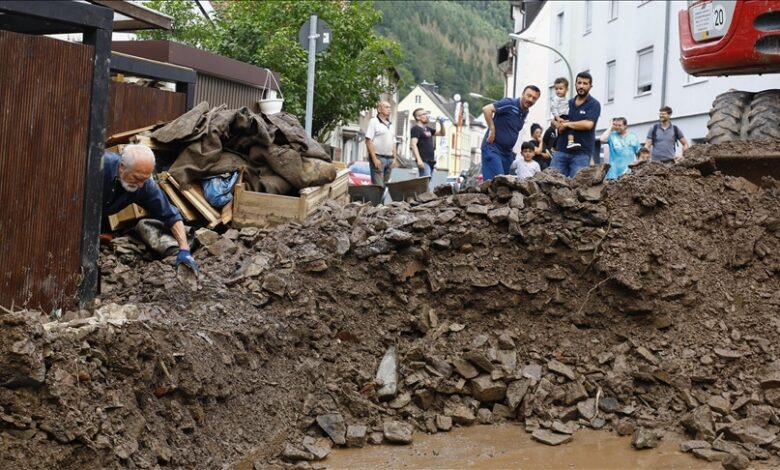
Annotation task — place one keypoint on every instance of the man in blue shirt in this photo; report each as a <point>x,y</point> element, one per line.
<point>127,179</point>
<point>505,119</point>
<point>584,111</point>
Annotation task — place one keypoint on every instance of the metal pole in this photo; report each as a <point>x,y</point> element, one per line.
<point>310,72</point>
<point>571,75</point>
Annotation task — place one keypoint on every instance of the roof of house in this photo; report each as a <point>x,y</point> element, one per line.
<point>445,104</point>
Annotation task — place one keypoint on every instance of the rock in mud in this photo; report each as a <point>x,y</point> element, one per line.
<point>387,375</point>
<point>687,446</point>
<point>376,438</point>
<point>587,408</point>
<point>484,416</point>
<point>735,462</point>
<point>320,448</point>
<point>356,435</point>
<point>700,422</point>
<point>516,392</point>
<point>645,438</point>
<point>747,431</point>
<point>465,369</point>
<point>397,432</point>
<point>294,454</point>
<point>334,427</point>
<point>551,438</point>
<point>710,455</point>
<point>479,360</point>
<point>561,368</point>
<point>484,388</point>
<point>461,414</point>
<point>443,423</point>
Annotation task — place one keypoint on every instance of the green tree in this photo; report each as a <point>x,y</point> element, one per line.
<point>188,24</point>
<point>348,73</point>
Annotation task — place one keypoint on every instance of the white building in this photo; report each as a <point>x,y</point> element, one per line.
<point>631,48</point>
<point>453,150</point>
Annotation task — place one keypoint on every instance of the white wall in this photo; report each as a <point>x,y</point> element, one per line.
<point>638,25</point>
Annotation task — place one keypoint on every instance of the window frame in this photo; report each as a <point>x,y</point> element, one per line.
<point>641,52</point>
<point>611,64</point>
<point>614,8</point>
<point>588,16</point>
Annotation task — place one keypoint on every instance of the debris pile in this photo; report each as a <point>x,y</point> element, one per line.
<point>219,148</point>
<point>637,306</point>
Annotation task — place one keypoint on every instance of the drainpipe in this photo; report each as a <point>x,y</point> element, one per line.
<point>665,65</point>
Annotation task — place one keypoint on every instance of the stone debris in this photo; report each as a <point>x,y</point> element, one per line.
<point>387,375</point>
<point>645,438</point>
<point>397,432</point>
<point>629,306</point>
<point>334,427</point>
<point>551,438</point>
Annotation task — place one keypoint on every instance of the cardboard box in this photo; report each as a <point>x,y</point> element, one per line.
<point>261,209</point>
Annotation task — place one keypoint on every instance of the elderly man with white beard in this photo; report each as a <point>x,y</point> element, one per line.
<point>127,179</point>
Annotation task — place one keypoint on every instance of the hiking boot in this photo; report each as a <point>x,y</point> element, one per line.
<point>573,145</point>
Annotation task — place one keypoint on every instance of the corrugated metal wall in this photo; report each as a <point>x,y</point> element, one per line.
<point>132,107</point>
<point>217,91</point>
<point>44,121</point>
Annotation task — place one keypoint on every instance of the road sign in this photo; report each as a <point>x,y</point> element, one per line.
<point>324,35</point>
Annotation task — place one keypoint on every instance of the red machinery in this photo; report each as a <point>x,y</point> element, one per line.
<point>730,37</point>
<point>719,37</point>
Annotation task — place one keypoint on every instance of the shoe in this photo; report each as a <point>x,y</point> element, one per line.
<point>573,145</point>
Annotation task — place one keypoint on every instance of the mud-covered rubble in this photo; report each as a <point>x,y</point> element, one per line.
<point>639,306</point>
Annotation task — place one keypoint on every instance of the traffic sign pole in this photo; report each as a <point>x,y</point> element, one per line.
<point>310,73</point>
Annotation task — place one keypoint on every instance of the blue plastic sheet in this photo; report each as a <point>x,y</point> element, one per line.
<point>218,190</point>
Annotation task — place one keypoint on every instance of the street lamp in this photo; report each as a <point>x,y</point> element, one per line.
<point>477,95</point>
<point>519,38</point>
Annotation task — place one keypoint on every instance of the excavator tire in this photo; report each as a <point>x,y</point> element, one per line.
<point>726,117</point>
<point>764,116</point>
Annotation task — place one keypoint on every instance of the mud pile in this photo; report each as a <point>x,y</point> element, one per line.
<point>637,306</point>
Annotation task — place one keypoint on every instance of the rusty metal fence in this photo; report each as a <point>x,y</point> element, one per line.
<point>44,127</point>
<point>132,106</point>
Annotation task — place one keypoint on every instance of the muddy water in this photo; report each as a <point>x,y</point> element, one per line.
<point>507,446</point>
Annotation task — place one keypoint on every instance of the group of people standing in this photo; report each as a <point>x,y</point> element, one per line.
<point>570,141</point>
<point>567,145</point>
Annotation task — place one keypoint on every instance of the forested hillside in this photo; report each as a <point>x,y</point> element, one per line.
<point>451,43</point>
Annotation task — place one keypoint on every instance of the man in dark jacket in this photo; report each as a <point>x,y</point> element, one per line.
<point>127,179</point>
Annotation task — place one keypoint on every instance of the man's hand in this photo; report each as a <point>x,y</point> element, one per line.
<point>377,164</point>
<point>491,135</point>
<point>420,164</point>
<point>560,125</point>
<point>185,257</point>
<point>442,119</point>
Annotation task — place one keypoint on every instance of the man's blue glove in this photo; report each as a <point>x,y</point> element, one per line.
<point>442,119</point>
<point>185,257</point>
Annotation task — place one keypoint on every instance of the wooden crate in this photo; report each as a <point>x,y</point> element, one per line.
<point>262,209</point>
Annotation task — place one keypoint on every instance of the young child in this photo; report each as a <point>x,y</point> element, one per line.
<point>559,107</point>
<point>643,154</point>
<point>524,166</point>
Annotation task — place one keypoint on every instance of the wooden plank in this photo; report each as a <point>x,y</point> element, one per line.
<point>128,214</point>
<point>195,197</point>
<point>187,211</point>
<point>227,213</point>
<point>124,137</point>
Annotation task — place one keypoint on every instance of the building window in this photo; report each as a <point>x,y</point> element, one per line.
<point>613,10</point>
<point>417,99</point>
<point>559,29</point>
<point>610,81</point>
<point>644,71</point>
<point>588,16</point>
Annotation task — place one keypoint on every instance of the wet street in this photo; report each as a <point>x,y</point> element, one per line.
<point>507,446</point>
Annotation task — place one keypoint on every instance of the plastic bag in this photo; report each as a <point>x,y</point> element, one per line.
<point>218,190</point>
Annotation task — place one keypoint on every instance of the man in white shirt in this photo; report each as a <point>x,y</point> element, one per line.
<point>524,165</point>
<point>380,142</point>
